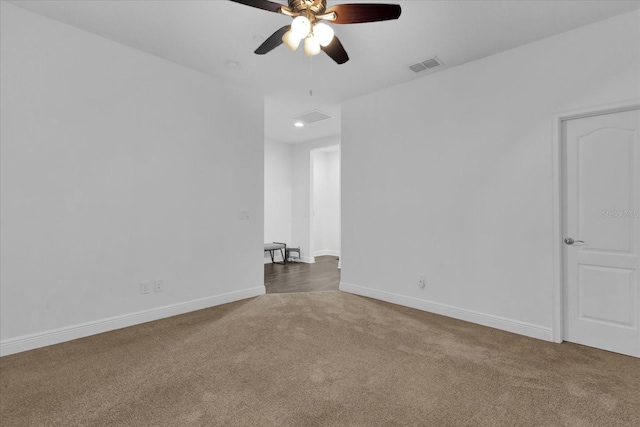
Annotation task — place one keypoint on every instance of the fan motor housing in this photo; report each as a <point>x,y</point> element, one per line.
<point>316,7</point>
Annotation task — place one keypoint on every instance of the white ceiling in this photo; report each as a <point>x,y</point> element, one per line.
<point>209,35</point>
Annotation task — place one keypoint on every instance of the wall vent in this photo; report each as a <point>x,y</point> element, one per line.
<point>312,117</point>
<point>427,64</point>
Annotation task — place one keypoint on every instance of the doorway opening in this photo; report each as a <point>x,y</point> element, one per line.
<point>302,209</point>
<point>325,202</point>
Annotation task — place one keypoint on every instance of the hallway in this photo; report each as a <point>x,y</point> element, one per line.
<point>324,275</point>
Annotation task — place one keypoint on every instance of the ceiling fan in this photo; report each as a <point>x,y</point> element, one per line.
<point>317,35</point>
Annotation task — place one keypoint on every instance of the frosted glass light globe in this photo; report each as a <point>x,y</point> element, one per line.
<point>291,40</point>
<point>300,27</point>
<point>323,33</point>
<point>311,46</point>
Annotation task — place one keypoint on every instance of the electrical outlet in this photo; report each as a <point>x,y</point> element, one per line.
<point>422,281</point>
<point>145,287</point>
<point>158,286</point>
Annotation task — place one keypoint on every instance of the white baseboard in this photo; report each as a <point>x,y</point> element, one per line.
<point>56,336</point>
<point>326,252</point>
<point>509,325</point>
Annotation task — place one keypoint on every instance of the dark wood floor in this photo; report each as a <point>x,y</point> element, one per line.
<point>324,275</point>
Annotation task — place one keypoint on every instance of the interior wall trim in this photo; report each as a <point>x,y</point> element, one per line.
<point>60,335</point>
<point>509,325</point>
<point>326,252</point>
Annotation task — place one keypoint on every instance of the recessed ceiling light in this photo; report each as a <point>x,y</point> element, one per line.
<point>298,124</point>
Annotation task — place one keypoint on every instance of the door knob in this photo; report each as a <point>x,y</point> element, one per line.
<point>571,241</point>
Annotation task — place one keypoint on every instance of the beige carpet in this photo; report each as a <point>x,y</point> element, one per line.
<point>317,359</point>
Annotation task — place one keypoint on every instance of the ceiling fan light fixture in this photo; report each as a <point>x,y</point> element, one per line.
<point>318,37</point>
<point>300,27</point>
<point>323,33</point>
<point>291,40</point>
<point>311,46</point>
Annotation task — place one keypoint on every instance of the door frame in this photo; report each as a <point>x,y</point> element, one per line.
<point>558,170</point>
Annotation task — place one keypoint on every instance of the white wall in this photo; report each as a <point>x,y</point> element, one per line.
<point>301,194</point>
<point>325,218</point>
<point>453,172</point>
<point>333,211</point>
<point>278,173</point>
<point>119,167</point>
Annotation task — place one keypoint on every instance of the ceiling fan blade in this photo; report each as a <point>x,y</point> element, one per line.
<point>357,13</point>
<point>262,4</point>
<point>273,41</point>
<point>336,51</point>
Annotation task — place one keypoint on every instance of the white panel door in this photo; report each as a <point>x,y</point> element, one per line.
<point>601,209</point>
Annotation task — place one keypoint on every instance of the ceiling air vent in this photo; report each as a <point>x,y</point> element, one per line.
<point>416,68</point>
<point>426,65</point>
<point>312,117</point>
